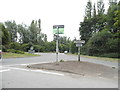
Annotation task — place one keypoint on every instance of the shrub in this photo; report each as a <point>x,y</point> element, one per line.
<point>38,48</point>
<point>110,55</point>
<point>25,47</point>
<point>113,45</point>
<point>15,51</point>
<point>61,60</point>
<point>15,45</point>
<point>11,50</point>
<point>19,52</point>
<point>4,49</point>
<point>97,44</point>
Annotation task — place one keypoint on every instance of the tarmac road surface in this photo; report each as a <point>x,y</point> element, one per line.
<point>15,74</point>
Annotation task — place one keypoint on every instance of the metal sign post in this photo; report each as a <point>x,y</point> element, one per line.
<point>78,53</point>
<point>57,49</point>
<point>58,29</point>
<point>78,44</point>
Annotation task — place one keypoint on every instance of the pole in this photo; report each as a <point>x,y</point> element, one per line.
<point>78,53</point>
<point>57,44</point>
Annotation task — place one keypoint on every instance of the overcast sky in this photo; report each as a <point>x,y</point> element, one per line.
<point>51,12</point>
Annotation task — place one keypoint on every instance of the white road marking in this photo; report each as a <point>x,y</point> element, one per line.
<point>41,71</point>
<point>5,70</point>
<point>25,64</point>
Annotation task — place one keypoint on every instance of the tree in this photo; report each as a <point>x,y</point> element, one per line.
<point>94,11</point>
<point>85,29</point>
<point>12,29</point>
<point>97,44</point>
<point>111,14</point>
<point>88,10</point>
<point>5,37</point>
<point>117,19</point>
<point>100,7</point>
<point>24,33</point>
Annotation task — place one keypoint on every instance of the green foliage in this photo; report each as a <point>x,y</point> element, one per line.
<point>61,60</point>
<point>73,48</point>
<point>102,31</point>
<point>25,47</point>
<point>38,48</point>
<point>4,49</point>
<point>111,55</point>
<point>15,45</point>
<point>97,43</point>
<point>4,35</point>
<point>12,28</point>
<point>15,51</point>
<point>88,10</point>
<point>50,46</point>
<point>63,47</point>
<point>11,50</point>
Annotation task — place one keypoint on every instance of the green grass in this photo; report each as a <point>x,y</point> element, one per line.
<point>102,58</point>
<point>99,58</point>
<point>14,55</point>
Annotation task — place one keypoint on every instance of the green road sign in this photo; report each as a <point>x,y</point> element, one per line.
<point>58,29</point>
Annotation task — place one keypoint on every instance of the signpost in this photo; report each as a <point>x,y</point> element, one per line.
<point>58,29</point>
<point>78,44</point>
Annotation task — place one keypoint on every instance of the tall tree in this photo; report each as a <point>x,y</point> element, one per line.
<point>5,37</point>
<point>88,10</point>
<point>111,14</point>
<point>12,28</point>
<point>33,32</point>
<point>24,33</point>
<point>100,7</point>
<point>94,11</point>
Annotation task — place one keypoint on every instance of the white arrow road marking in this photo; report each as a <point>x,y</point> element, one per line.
<point>41,71</point>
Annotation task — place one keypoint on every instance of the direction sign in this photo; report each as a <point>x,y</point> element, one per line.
<point>78,44</point>
<point>58,29</point>
<point>79,41</point>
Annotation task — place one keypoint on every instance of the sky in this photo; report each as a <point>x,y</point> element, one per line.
<point>51,12</point>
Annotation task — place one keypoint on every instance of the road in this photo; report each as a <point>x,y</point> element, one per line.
<point>15,74</point>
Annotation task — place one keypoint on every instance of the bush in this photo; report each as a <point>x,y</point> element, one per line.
<point>97,44</point>
<point>110,55</point>
<point>19,52</point>
<point>61,60</point>
<point>11,50</point>
<point>15,45</point>
<point>25,47</point>
<point>38,48</point>
<point>113,45</point>
<point>4,49</point>
<point>15,51</point>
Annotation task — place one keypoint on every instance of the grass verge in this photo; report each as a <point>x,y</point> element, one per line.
<point>99,58</point>
<point>14,55</point>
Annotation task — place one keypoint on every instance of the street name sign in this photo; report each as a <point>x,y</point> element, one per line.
<point>79,41</point>
<point>58,29</point>
<point>78,44</point>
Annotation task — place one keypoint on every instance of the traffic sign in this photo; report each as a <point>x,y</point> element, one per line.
<point>79,41</point>
<point>78,44</point>
<point>58,29</point>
